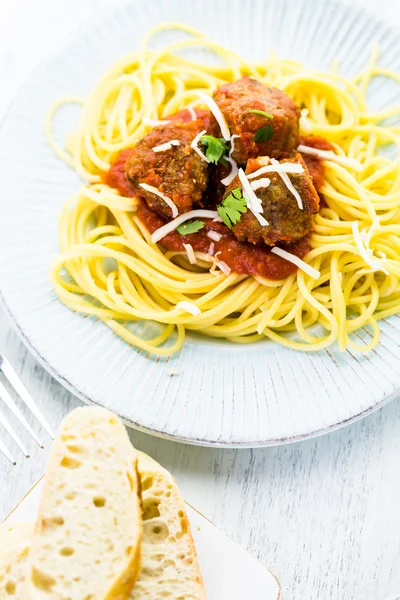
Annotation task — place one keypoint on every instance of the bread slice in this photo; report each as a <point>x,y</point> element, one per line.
<point>169,561</point>
<point>86,545</point>
<point>15,540</point>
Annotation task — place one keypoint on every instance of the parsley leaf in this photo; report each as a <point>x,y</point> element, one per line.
<point>231,209</point>
<point>263,134</point>
<point>216,147</point>
<point>190,227</point>
<point>261,112</point>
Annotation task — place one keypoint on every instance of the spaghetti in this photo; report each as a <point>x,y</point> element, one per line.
<point>110,268</point>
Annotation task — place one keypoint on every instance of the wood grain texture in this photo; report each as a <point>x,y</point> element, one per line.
<point>322,514</point>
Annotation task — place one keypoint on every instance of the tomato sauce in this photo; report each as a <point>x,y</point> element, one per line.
<point>314,164</point>
<point>241,257</point>
<point>115,176</point>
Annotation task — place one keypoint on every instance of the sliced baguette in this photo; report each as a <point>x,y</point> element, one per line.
<point>86,545</point>
<point>15,540</point>
<point>169,561</point>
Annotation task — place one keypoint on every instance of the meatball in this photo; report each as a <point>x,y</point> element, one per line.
<point>287,222</point>
<point>238,98</point>
<point>178,173</point>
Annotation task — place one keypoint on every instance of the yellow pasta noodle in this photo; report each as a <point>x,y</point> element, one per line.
<point>109,268</point>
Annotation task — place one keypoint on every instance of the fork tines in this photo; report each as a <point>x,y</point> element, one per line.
<point>20,389</point>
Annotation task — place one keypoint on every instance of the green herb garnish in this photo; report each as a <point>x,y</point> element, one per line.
<point>261,112</point>
<point>216,148</point>
<point>231,209</point>
<point>190,227</point>
<point>263,134</point>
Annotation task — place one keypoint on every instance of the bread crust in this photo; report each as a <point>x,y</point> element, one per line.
<point>90,516</point>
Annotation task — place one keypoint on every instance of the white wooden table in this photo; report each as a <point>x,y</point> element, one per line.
<point>323,514</point>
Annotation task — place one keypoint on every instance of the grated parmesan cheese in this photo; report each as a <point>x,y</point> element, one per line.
<point>191,108</point>
<point>166,146</point>
<point>234,170</point>
<point>214,235</point>
<point>345,161</point>
<point>189,307</point>
<point>191,111</point>
<point>168,201</point>
<point>154,122</point>
<point>260,183</point>
<point>305,121</point>
<point>252,201</point>
<point>234,136</point>
<point>286,180</point>
<point>220,264</point>
<point>277,168</point>
<point>158,234</point>
<point>216,111</point>
<point>195,146</point>
<point>362,240</point>
<point>297,261</point>
<point>190,253</point>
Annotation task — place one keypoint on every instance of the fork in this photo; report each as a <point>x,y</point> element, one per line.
<point>7,370</point>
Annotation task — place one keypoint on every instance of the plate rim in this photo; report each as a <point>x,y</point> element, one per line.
<point>46,59</point>
<point>181,439</point>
